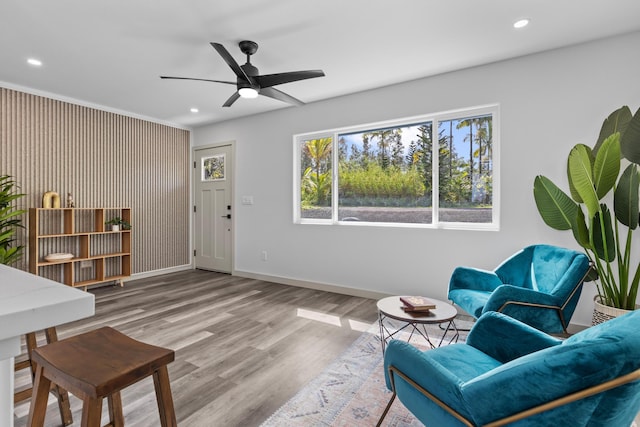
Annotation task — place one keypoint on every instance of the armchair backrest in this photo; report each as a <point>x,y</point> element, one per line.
<point>592,357</point>
<point>544,268</point>
<point>613,347</point>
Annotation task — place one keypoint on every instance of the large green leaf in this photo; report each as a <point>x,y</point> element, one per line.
<point>602,232</point>
<point>630,141</point>
<point>626,202</point>
<point>616,122</point>
<point>607,165</point>
<point>581,174</point>
<point>572,188</point>
<point>581,231</point>
<point>556,208</point>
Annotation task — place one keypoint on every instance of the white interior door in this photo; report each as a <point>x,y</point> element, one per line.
<point>213,216</point>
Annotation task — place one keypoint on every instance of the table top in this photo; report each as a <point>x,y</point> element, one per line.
<point>31,303</point>
<point>392,307</point>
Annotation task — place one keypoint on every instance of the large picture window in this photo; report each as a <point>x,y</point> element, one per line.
<point>436,170</point>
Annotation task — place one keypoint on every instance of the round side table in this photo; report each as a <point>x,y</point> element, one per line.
<point>391,308</point>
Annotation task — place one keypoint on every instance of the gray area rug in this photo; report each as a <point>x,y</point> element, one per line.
<point>351,391</point>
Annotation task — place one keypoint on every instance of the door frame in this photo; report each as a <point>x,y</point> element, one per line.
<point>234,205</point>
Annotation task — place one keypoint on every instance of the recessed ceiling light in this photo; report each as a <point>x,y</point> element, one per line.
<point>194,110</point>
<point>35,62</point>
<point>521,23</point>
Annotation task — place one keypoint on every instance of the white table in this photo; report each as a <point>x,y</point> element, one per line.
<point>30,303</point>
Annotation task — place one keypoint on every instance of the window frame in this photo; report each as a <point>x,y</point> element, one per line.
<point>434,119</point>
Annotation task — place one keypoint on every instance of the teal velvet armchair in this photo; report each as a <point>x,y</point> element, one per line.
<point>508,373</point>
<point>540,286</point>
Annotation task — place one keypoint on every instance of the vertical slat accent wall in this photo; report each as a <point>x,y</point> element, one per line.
<point>105,160</point>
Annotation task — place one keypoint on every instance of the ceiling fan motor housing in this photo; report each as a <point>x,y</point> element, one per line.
<point>250,71</point>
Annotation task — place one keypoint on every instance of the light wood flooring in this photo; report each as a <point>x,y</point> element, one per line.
<point>243,346</point>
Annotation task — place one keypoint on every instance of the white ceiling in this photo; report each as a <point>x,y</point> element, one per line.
<point>111,53</point>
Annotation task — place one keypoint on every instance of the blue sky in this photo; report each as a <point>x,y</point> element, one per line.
<point>409,134</point>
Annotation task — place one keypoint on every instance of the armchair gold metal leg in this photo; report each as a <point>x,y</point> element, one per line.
<point>386,410</point>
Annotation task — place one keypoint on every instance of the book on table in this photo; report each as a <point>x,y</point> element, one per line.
<point>417,303</point>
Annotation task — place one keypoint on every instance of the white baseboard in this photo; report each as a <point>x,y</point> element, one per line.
<point>160,272</point>
<point>363,293</point>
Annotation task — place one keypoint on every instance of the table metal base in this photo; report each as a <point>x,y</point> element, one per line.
<point>389,331</point>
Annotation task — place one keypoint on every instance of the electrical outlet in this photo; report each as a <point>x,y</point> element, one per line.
<point>264,255</point>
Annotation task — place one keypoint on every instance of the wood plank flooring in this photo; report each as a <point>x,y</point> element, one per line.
<point>243,346</point>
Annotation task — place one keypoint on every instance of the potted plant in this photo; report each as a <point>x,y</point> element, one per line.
<point>118,224</point>
<point>594,181</point>
<point>10,221</point>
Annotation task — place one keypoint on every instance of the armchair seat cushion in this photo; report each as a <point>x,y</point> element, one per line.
<point>443,372</point>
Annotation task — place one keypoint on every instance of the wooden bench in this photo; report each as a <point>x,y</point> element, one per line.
<point>97,365</point>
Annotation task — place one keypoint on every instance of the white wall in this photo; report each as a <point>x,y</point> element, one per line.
<point>548,102</point>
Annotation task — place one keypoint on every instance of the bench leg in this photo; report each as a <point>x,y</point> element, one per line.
<point>63,404</point>
<point>163,396</point>
<point>61,394</point>
<point>39,398</point>
<point>115,410</point>
<point>91,412</point>
<point>63,397</point>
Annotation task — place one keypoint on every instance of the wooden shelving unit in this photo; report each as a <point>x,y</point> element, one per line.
<point>99,254</point>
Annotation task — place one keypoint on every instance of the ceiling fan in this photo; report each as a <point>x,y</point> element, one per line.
<point>249,82</point>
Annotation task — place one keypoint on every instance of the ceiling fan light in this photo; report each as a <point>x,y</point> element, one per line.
<point>248,92</point>
<point>521,23</point>
<point>35,62</point>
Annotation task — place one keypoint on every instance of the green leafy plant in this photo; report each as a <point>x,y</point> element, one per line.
<point>595,179</point>
<point>122,223</point>
<point>10,221</point>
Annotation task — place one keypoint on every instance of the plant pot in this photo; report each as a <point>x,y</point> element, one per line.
<point>602,313</point>
<point>115,228</point>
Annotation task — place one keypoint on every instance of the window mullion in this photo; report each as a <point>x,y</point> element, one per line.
<point>297,156</point>
<point>435,172</point>
<point>335,159</point>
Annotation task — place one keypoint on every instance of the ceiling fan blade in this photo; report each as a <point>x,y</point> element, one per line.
<point>233,98</point>
<point>279,95</point>
<point>202,80</point>
<point>269,80</point>
<point>230,61</point>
